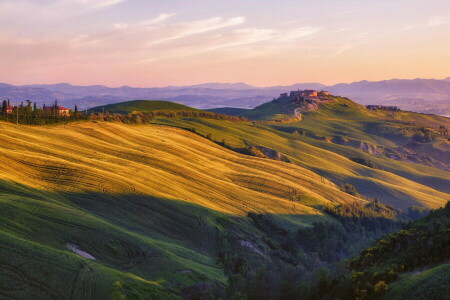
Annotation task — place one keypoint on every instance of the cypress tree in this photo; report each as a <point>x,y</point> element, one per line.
<point>4,106</point>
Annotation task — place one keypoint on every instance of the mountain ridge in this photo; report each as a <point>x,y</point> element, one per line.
<point>421,95</point>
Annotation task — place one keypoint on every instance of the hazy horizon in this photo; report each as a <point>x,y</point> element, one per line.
<point>231,83</point>
<point>261,43</point>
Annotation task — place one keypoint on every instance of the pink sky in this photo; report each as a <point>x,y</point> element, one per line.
<point>260,42</point>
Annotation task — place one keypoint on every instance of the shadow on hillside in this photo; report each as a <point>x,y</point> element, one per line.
<point>155,238</point>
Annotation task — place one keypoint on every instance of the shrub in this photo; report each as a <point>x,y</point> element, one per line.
<point>363,161</point>
<point>349,189</point>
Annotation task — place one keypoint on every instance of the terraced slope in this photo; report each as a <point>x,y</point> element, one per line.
<point>144,201</point>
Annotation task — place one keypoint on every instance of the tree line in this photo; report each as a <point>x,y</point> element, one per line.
<point>30,114</point>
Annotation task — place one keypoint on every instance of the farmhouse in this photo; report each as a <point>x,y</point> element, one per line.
<point>9,109</point>
<point>59,110</point>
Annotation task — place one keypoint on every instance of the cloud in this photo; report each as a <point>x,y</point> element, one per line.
<point>121,25</point>
<point>297,33</point>
<point>182,30</point>
<point>349,43</point>
<point>234,44</point>
<point>432,22</point>
<point>408,27</point>
<point>157,40</point>
<point>438,20</point>
<point>90,4</point>
<point>26,12</point>
<point>341,49</point>
<point>159,19</point>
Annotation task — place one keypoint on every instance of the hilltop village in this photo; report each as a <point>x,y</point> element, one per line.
<point>304,99</point>
<point>305,96</point>
<point>309,100</point>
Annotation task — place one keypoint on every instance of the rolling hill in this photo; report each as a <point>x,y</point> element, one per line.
<point>149,203</point>
<point>420,95</point>
<point>327,141</point>
<point>194,206</point>
<point>409,264</point>
<point>141,106</point>
<point>232,111</point>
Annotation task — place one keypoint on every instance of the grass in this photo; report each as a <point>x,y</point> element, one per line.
<point>231,111</point>
<point>152,203</point>
<point>270,111</point>
<point>428,284</point>
<point>394,182</point>
<point>143,200</point>
<point>141,106</point>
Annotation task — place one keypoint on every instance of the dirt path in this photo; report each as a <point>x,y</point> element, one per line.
<point>80,252</point>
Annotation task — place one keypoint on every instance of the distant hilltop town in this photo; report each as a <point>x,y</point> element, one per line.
<point>304,100</point>
<point>304,96</point>
<point>309,99</point>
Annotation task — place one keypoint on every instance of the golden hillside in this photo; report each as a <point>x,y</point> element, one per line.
<point>159,161</point>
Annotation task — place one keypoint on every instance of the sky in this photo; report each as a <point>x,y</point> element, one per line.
<point>151,43</point>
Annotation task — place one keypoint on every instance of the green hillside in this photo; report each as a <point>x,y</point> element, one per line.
<point>203,206</point>
<point>231,111</point>
<point>141,106</point>
<point>154,205</point>
<point>409,264</point>
<point>270,111</point>
<point>400,183</point>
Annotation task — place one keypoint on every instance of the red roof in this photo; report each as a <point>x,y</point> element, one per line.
<point>48,108</point>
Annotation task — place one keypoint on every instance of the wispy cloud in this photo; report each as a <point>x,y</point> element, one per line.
<point>349,43</point>
<point>438,20</point>
<point>159,19</point>
<point>432,22</point>
<point>408,27</point>
<point>341,49</point>
<point>28,11</point>
<point>90,4</point>
<point>182,30</point>
<point>238,43</point>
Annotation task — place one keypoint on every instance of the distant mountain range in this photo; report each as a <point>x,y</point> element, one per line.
<point>421,95</point>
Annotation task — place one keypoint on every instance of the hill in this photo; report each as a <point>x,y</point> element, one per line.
<point>397,134</point>
<point>152,204</point>
<point>141,106</point>
<point>335,141</point>
<point>231,111</point>
<point>409,264</point>
<point>420,95</point>
<point>199,206</point>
